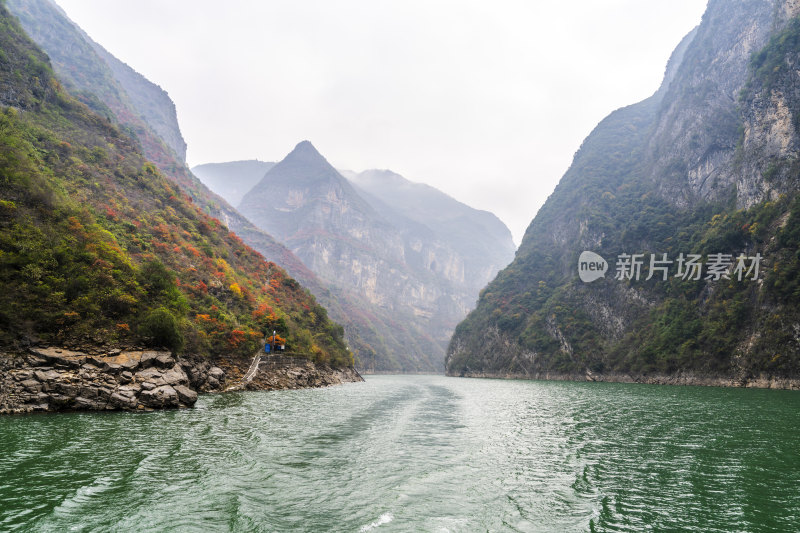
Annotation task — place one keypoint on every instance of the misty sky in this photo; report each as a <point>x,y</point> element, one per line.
<point>487,101</point>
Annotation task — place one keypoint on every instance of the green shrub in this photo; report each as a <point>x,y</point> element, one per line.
<point>161,329</point>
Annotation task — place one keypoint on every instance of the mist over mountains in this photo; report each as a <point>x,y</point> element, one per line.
<point>415,257</point>
<point>705,166</point>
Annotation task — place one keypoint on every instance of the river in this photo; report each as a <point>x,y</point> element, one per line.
<point>415,453</point>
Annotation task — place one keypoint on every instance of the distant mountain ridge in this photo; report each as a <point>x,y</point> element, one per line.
<point>414,255</point>
<point>474,233</point>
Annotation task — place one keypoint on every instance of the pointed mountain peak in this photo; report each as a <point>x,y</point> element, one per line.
<point>303,164</point>
<point>305,151</point>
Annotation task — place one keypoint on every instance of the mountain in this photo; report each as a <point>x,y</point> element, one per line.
<point>706,166</point>
<point>142,109</point>
<point>99,250</point>
<point>234,179</point>
<point>108,86</point>
<point>472,233</point>
<point>413,278</point>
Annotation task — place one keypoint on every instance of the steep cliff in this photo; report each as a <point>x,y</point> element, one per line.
<point>143,110</point>
<point>407,259</point>
<point>98,78</point>
<point>100,252</point>
<point>481,241</point>
<point>308,205</point>
<point>705,166</point>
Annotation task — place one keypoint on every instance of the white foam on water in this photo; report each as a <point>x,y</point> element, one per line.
<point>385,518</point>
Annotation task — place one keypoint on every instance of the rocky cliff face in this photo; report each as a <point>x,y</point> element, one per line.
<point>54,379</point>
<point>389,246</point>
<point>100,78</point>
<point>706,166</point>
<point>464,245</point>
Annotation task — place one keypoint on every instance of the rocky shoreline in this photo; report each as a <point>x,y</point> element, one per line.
<point>283,372</point>
<point>56,379</point>
<point>682,378</point>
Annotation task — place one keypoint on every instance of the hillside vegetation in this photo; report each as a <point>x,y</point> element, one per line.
<point>96,246</point>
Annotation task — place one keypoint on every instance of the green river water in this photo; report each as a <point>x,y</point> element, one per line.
<point>415,453</point>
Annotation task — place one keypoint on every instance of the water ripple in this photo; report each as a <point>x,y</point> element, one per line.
<point>414,453</point>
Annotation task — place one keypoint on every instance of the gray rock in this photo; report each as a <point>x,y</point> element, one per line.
<point>148,359</point>
<point>35,360</point>
<point>89,392</point>
<point>164,396</point>
<point>112,368</point>
<point>175,376</point>
<point>129,390</point>
<point>50,375</point>
<point>151,375</point>
<point>119,400</point>
<point>165,361</point>
<point>186,395</point>
<point>22,375</point>
<point>87,403</point>
<point>67,389</point>
<point>148,386</point>
<point>126,377</point>
<point>32,385</point>
<point>216,373</point>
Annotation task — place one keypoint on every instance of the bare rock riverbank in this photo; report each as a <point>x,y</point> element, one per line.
<point>57,379</point>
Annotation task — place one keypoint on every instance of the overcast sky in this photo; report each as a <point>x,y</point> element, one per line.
<point>487,101</point>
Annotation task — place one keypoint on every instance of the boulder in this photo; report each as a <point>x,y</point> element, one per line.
<point>32,385</point>
<point>89,392</point>
<point>151,375</point>
<point>88,403</point>
<point>22,375</point>
<point>59,357</point>
<point>129,391</point>
<point>165,361</point>
<point>186,395</point>
<point>175,376</point>
<point>119,400</point>
<point>148,359</point>
<point>67,389</point>
<point>164,396</point>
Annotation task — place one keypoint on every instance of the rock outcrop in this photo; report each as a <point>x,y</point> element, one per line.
<point>279,373</point>
<point>55,379</point>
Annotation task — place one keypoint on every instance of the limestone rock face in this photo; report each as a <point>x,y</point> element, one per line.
<point>56,379</point>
